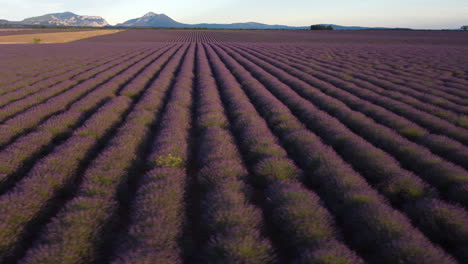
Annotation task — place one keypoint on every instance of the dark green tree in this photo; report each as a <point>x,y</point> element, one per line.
<point>320,27</point>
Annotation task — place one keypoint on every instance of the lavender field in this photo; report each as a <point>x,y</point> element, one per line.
<point>160,146</point>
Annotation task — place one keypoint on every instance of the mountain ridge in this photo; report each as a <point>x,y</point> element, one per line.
<point>68,19</point>
<point>152,20</point>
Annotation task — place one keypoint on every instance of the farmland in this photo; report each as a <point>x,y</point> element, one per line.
<point>49,36</point>
<point>160,146</point>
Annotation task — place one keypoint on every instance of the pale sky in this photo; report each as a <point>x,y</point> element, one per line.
<point>421,14</point>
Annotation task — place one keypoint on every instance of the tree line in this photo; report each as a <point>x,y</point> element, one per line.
<point>321,27</point>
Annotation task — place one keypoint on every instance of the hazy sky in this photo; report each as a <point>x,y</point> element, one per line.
<point>392,13</point>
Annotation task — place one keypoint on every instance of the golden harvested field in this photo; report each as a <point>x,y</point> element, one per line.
<point>57,37</point>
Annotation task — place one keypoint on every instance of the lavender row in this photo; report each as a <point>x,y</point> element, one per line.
<point>157,212</point>
<point>453,150</point>
<point>63,59</point>
<point>29,73</point>
<point>435,94</point>
<point>30,199</point>
<point>89,83</point>
<point>25,148</point>
<point>32,117</point>
<point>171,145</point>
<point>401,90</point>
<point>370,225</point>
<point>86,221</point>
<point>380,92</point>
<point>9,95</point>
<point>37,87</point>
<point>444,175</point>
<point>300,218</point>
<point>156,220</point>
<point>44,73</point>
<point>24,122</point>
<point>9,110</point>
<point>297,213</point>
<point>381,170</point>
<point>196,37</point>
<point>231,224</point>
<point>445,147</point>
<point>422,74</point>
<point>412,80</point>
<point>380,88</point>
<point>133,88</point>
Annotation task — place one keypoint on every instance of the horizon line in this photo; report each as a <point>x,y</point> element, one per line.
<point>229,23</point>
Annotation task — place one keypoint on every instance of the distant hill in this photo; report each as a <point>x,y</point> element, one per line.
<point>67,19</point>
<point>153,20</point>
<point>247,25</point>
<point>338,27</point>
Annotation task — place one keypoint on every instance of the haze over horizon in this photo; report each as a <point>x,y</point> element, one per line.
<point>420,14</point>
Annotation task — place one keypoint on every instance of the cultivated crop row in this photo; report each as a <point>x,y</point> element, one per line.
<point>432,168</point>
<point>157,211</point>
<point>397,85</point>
<point>26,120</point>
<point>16,156</point>
<point>196,36</point>
<point>442,145</point>
<point>198,151</point>
<point>401,187</point>
<point>296,212</point>
<point>39,65</point>
<point>60,84</point>
<point>341,194</point>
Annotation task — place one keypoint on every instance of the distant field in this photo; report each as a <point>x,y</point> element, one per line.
<point>173,146</point>
<point>51,37</point>
<point>22,31</point>
<point>6,31</point>
<point>381,37</point>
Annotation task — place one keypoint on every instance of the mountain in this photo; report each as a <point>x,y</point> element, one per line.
<point>68,19</point>
<point>149,20</point>
<point>153,20</point>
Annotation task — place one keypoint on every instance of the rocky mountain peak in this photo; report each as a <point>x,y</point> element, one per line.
<point>66,19</point>
<point>150,14</point>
